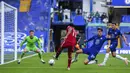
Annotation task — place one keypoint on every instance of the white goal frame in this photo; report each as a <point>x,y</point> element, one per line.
<point>2,3</point>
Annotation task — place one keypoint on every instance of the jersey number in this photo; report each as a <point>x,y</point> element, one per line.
<point>74,33</point>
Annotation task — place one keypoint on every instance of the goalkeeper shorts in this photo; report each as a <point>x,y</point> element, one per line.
<point>31,48</point>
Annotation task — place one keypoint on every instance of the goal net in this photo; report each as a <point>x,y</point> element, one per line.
<point>8,33</point>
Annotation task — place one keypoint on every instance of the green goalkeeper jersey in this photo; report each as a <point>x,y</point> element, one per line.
<point>31,42</point>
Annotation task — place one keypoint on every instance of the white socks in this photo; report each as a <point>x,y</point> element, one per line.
<point>19,60</point>
<point>76,56</point>
<point>120,57</point>
<point>117,56</point>
<point>92,62</point>
<point>106,58</point>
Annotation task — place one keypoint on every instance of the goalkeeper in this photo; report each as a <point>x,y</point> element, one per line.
<point>31,46</point>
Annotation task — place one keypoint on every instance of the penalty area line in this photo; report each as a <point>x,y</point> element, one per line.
<point>22,59</point>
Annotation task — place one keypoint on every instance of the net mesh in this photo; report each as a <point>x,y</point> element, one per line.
<point>9,32</point>
<point>9,27</point>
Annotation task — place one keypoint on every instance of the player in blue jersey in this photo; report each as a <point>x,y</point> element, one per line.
<point>112,44</point>
<point>98,41</point>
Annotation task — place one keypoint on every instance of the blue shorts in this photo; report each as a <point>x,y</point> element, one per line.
<point>113,46</point>
<point>90,53</point>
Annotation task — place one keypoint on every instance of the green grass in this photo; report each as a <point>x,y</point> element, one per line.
<point>33,65</point>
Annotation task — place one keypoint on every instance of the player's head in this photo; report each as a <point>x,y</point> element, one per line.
<point>113,25</point>
<point>100,30</point>
<point>31,32</point>
<point>71,24</point>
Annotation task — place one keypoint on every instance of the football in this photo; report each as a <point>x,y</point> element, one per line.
<point>51,62</point>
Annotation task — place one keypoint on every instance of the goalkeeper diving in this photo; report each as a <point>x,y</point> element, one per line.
<point>31,46</point>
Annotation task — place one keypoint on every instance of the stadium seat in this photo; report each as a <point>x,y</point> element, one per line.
<point>79,20</point>
<point>73,14</point>
<point>99,20</point>
<point>93,20</point>
<point>55,17</point>
<point>125,18</point>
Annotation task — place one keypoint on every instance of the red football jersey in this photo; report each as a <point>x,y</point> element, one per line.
<point>71,37</point>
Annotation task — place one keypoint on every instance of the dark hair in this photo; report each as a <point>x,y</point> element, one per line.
<point>100,29</point>
<point>31,31</point>
<point>71,24</point>
<point>114,23</point>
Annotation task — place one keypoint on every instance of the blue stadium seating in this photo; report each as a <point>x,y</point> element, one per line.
<point>93,20</point>
<point>79,20</point>
<point>126,19</point>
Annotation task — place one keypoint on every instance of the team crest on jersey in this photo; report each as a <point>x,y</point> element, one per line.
<point>101,38</point>
<point>97,41</point>
<point>115,32</point>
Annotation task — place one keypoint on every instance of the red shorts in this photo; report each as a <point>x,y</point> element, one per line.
<point>69,45</point>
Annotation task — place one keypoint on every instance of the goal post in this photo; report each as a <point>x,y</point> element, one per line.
<point>8,32</point>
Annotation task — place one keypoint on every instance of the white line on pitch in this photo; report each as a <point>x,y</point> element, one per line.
<point>16,60</point>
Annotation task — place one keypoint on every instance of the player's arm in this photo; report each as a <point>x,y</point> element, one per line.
<point>69,31</point>
<point>39,43</point>
<point>109,36</point>
<point>127,33</point>
<point>90,39</point>
<point>125,40</point>
<point>21,44</point>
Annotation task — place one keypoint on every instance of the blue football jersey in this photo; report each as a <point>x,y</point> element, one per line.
<point>114,34</point>
<point>98,41</point>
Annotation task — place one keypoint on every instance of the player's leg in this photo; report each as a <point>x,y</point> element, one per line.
<point>113,51</point>
<point>90,60</point>
<point>105,58</point>
<point>120,57</point>
<point>70,50</point>
<point>22,55</point>
<point>112,48</point>
<point>85,51</point>
<point>58,53</point>
<point>79,50</point>
<point>63,45</point>
<point>93,62</point>
<point>76,55</point>
<point>86,62</point>
<point>39,54</point>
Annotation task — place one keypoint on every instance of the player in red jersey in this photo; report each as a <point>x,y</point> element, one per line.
<point>69,42</point>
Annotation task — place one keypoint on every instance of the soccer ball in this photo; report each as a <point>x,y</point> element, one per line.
<point>51,62</point>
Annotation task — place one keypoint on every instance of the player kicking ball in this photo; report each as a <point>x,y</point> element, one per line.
<point>69,42</point>
<point>31,46</point>
<point>112,33</point>
<point>98,41</point>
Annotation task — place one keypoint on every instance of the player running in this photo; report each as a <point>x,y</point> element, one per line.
<point>31,46</point>
<point>98,41</point>
<point>69,42</point>
<point>113,33</point>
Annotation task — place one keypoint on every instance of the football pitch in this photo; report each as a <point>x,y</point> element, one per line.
<point>33,65</point>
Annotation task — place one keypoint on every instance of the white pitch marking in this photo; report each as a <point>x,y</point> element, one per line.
<point>16,60</point>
